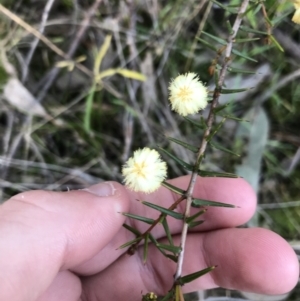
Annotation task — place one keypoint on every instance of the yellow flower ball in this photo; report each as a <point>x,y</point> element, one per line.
<point>144,171</point>
<point>296,17</point>
<point>188,95</point>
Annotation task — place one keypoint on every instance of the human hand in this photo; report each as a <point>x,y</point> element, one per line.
<point>63,245</point>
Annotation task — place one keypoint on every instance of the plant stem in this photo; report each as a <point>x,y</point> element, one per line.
<point>204,141</point>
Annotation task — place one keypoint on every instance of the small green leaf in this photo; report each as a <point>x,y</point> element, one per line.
<point>172,257</point>
<point>189,278</point>
<point>233,118</point>
<point>88,108</point>
<point>220,108</point>
<point>173,188</point>
<point>205,173</point>
<point>174,249</point>
<point>216,39</point>
<point>145,255</point>
<point>168,232</point>
<point>190,147</point>
<point>245,40</point>
<point>193,217</point>
<point>194,224</point>
<point>131,242</point>
<point>216,76</point>
<point>240,54</point>
<point>242,71</point>
<point>276,43</point>
<point>179,161</point>
<point>155,242</point>
<point>217,128</point>
<point>197,124</point>
<point>131,229</point>
<point>208,45</point>
<point>220,147</point>
<point>229,27</point>
<point>164,210</point>
<point>230,91</point>
<point>146,220</point>
<point>252,7</point>
<point>251,30</point>
<point>199,203</point>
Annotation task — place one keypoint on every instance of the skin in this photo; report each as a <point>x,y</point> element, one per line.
<point>63,245</point>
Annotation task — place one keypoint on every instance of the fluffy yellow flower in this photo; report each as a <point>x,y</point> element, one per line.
<point>187,94</point>
<point>296,17</point>
<point>144,171</point>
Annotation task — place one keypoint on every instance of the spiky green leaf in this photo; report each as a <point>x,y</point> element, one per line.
<point>276,43</point>
<point>174,249</point>
<point>246,40</point>
<point>173,188</point>
<point>220,108</point>
<point>242,71</point>
<point>220,147</point>
<point>177,160</point>
<point>200,202</point>
<point>146,220</point>
<point>244,56</point>
<point>131,242</point>
<point>205,173</point>
<point>131,229</point>
<point>172,257</point>
<point>231,91</point>
<point>190,147</point>
<point>189,278</point>
<point>233,118</point>
<point>193,217</point>
<point>216,129</point>
<point>200,125</point>
<point>155,242</point>
<point>216,39</point>
<point>167,230</point>
<point>194,224</point>
<point>208,45</point>
<point>174,214</point>
<point>146,243</point>
<point>229,27</point>
<point>251,30</point>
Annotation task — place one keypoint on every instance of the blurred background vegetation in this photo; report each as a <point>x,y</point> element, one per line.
<point>62,129</point>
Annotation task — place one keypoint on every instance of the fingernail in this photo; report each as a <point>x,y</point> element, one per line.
<point>102,189</point>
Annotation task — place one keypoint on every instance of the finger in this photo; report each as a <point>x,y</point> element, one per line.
<point>42,233</point>
<point>255,260</point>
<point>234,191</point>
<point>66,286</point>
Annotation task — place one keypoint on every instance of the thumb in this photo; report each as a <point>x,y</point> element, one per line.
<point>43,232</point>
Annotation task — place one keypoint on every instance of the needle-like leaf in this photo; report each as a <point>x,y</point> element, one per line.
<point>172,213</point>
<point>201,202</point>
<point>146,220</point>
<point>189,278</point>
